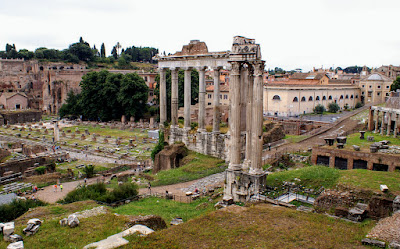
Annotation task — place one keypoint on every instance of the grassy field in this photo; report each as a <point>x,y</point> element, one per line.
<point>354,139</point>
<point>196,166</point>
<point>167,209</point>
<point>52,235</point>
<point>260,226</point>
<point>317,176</point>
<point>295,138</point>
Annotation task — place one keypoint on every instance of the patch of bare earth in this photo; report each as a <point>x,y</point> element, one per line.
<point>387,229</point>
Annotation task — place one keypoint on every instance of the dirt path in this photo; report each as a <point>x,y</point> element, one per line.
<point>50,196</point>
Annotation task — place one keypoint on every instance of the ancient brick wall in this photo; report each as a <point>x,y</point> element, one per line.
<point>20,116</point>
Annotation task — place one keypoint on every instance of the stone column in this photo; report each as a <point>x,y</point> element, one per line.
<point>257,119</point>
<point>56,132</point>
<point>174,97</point>
<point>249,108</point>
<point>187,102</point>
<point>383,122</point>
<point>389,123</point>
<point>216,108</point>
<point>370,119</point>
<point>395,128</point>
<point>234,119</point>
<point>163,97</point>
<point>202,100</point>
<point>376,121</point>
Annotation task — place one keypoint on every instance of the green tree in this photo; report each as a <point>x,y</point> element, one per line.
<point>396,84</point>
<point>114,53</point>
<point>333,107</point>
<point>319,109</point>
<point>103,51</point>
<point>159,146</point>
<point>133,95</point>
<point>82,50</point>
<point>111,108</point>
<point>71,106</point>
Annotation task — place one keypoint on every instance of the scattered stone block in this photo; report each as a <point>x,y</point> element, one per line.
<point>8,229</point>
<point>373,149</point>
<point>73,221</point>
<point>341,211</point>
<point>394,245</point>
<point>396,204</point>
<point>340,145</point>
<point>373,242</point>
<point>357,214</point>
<point>15,238</point>
<point>34,221</point>
<point>370,138</point>
<point>154,222</point>
<point>16,245</point>
<point>383,188</point>
<point>356,147</point>
<point>176,221</point>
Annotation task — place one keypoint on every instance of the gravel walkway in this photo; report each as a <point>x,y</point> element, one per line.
<point>387,229</point>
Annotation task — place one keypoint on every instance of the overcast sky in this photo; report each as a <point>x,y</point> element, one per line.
<point>292,33</point>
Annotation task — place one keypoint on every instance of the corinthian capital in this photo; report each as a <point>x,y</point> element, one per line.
<point>258,68</point>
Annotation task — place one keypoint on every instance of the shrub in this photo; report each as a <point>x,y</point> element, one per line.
<point>319,109</point>
<point>91,192</point>
<point>9,212</point>
<point>358,105</point>
<point>40,170</point>
<point>159,147</point>
<point>333,107</point>
<point>99,192</point>
<point>89,170</point>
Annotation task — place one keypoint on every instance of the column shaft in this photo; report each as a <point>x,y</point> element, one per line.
<point>202,100</point>
<point>370,119</point>
<point>395,129</point>
<point>216,112</point>
<point>163,97</point>
<point>174,97</point>
<point>389,123</point>
<point>383,123</point>
<point>234,118</point>
<point>257,118</point>
<point>249,108</point>
<point>187,97</point>
<point>377,121</point>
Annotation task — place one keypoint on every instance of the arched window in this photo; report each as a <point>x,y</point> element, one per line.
<point>356,96</point>
<point>347,96</point>
<point>295,99</point>
<point>330,97</point>
<point>324,98</point>
<point>310,98</point>
<point>317,98</point>
<point>276,97</point>
<point>341,96</point>
<point>352,96</point>
<point>303,99</point>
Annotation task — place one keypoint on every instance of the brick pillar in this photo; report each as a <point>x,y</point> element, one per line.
<point>350,162</point>
<point>371,119</point>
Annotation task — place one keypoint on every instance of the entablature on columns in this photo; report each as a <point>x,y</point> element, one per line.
<point>385,109</point>
<point>195,63</point>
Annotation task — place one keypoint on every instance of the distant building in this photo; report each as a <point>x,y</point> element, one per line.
<point>300,94</point>
<point>13,101</point>
<point>223,97</point>
<point>375,88</point>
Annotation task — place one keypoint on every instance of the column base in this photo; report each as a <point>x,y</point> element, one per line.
<point>185,138</point>
<point>246,165</point>
<point>241,186</point>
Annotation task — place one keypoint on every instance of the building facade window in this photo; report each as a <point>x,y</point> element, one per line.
<point>295,99</point>
<point>341,96</point>
<point>209,96</point>
<point>317,98</point>
<point>347,96</point>
<point>310,98</point>
<point>303,99</point>
<point>276,97</point>
<point>324,98</point>
<point>330,97</point>
<point>352,96</point>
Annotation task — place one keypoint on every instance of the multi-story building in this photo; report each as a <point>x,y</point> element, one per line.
<point>375,88</point>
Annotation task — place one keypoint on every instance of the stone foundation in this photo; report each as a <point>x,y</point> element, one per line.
<point>240,185</point>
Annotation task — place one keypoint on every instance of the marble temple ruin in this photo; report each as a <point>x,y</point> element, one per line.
<point>242,146</point>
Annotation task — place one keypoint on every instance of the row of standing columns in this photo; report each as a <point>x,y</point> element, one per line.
<point>187,99</point>
<point>375,120</point>
<point>252,78</point>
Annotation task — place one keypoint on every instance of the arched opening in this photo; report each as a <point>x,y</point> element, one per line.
<point>352,97</point>
<point>347,96</point>
<point>310,98</point>
<point>324,98</point>
<point>276,97</point>
<point>341,96</point>
<point>317,98</point>
<point>303,99</point>
<point>295,99</point>
<point>330,97</point>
